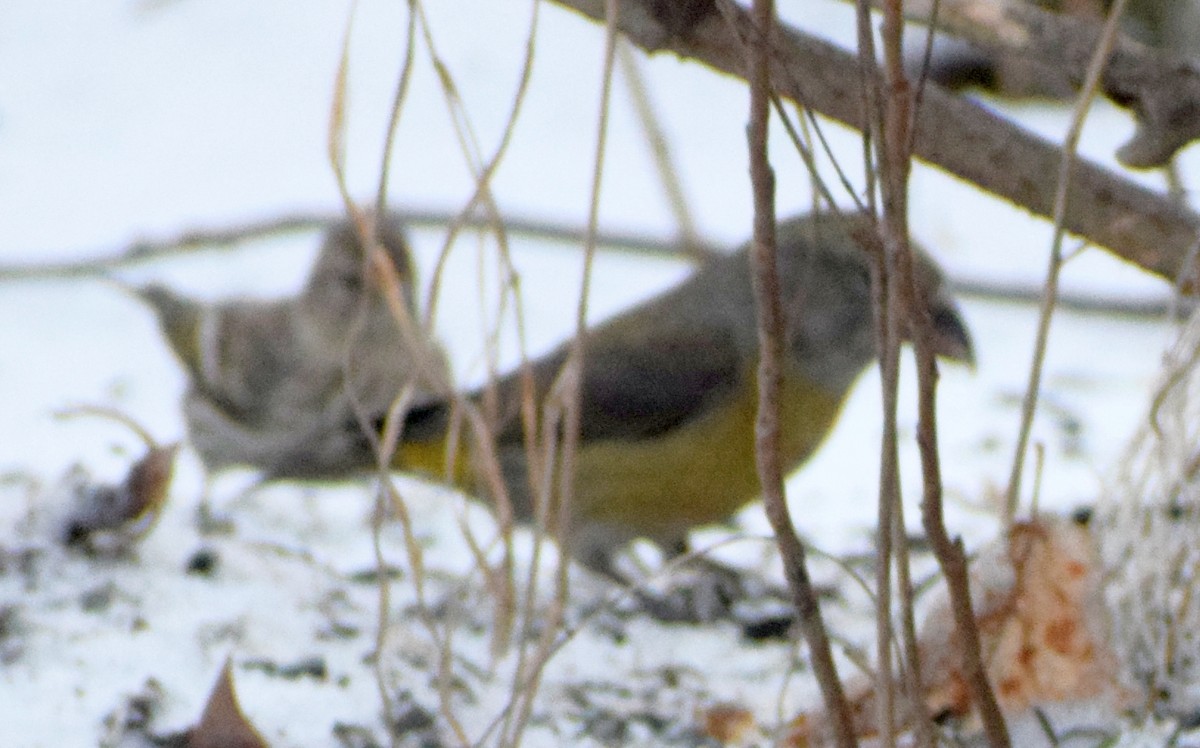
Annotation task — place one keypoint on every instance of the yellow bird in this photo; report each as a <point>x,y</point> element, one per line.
<point>669,392</point>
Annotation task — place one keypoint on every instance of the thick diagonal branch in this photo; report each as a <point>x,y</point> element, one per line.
<point>1161,88</point>
<point>952,133</point>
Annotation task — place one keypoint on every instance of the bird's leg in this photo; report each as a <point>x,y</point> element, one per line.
<point>705,589</point>
<point>210,520</point>
<point>214,520</point>
<point>700,590</point>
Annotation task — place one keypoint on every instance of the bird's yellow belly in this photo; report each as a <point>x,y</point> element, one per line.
<point>701,473</point>
<point>698,474</point>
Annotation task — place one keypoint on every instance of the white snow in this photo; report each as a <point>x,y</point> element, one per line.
<point>121,120</point>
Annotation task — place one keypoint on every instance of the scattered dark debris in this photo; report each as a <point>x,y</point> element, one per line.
<point>98,599</point>
<point>354,736</point>
<point>604,621</point>
<point>772,618</point>
<point>203,562</point>
<point>111,518</point>
<point>333,607</point>
<point>221,725</point>
<point>1189,721</point>
<point>459,606</point>
<point>657,707</point>
<point>12,644</point>
<point>307,667</point>
<point>456,684</point>
<point>705,590</point>
<point>220,633</point>
<point>24,562</point>
<point>134,716</point>
<point>580,693</point>
<point>617,727</point>
<point>1175,511</point>
<point>372,575</point>
<point>338,629</point>
<point>1083,515</point>
<point>606,728</point>
<point>768,629</point>
<point>413,722</point>
<point>695,604</point>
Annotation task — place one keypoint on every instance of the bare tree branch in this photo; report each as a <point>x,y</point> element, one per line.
<point>951,132</point>
<point>100,262</point>
<point>1160,88</point>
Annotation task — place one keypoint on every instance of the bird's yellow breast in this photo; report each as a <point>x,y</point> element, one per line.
<point>702,472</point>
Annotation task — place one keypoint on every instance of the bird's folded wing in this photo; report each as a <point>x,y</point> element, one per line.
<point>661,383</point>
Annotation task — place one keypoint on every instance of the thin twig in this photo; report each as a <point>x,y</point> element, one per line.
<point>656,141</point>
<point>889,503</point>
<point>515,719</point>
<point>557,514</point>
<point>887,333</point>
<point>1066,174</point>
<point>401,95</point>
<point>810,162</point>
<point>112,414</point>
<point>896,159</point>
<point>909,646</point>
<point>770,335</point>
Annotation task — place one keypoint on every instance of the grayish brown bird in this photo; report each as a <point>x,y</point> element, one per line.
<point>278,385</point>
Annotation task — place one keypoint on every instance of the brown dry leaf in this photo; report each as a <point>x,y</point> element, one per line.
<point>1037,602</point>
<point>223,725</point>
<point>148,481</point>
<point>130,509</point>
<point>727,723</point>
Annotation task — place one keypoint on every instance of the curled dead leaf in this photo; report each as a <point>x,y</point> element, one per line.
<point>223,725</point>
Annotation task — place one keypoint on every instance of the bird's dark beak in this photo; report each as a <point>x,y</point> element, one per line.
<point>949,335</point>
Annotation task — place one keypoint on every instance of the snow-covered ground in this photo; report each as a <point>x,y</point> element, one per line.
<point>122,120</point>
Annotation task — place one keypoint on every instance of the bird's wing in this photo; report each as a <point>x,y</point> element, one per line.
<point>636,389</point>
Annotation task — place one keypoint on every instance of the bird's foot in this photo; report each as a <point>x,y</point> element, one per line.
<point>705,591</point>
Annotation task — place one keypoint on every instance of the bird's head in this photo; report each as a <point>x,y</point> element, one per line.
<point>825,274</point>
<point>346,278</point>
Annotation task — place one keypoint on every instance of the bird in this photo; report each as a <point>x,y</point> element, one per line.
<point>668,393</point>
<point>276,385</point>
